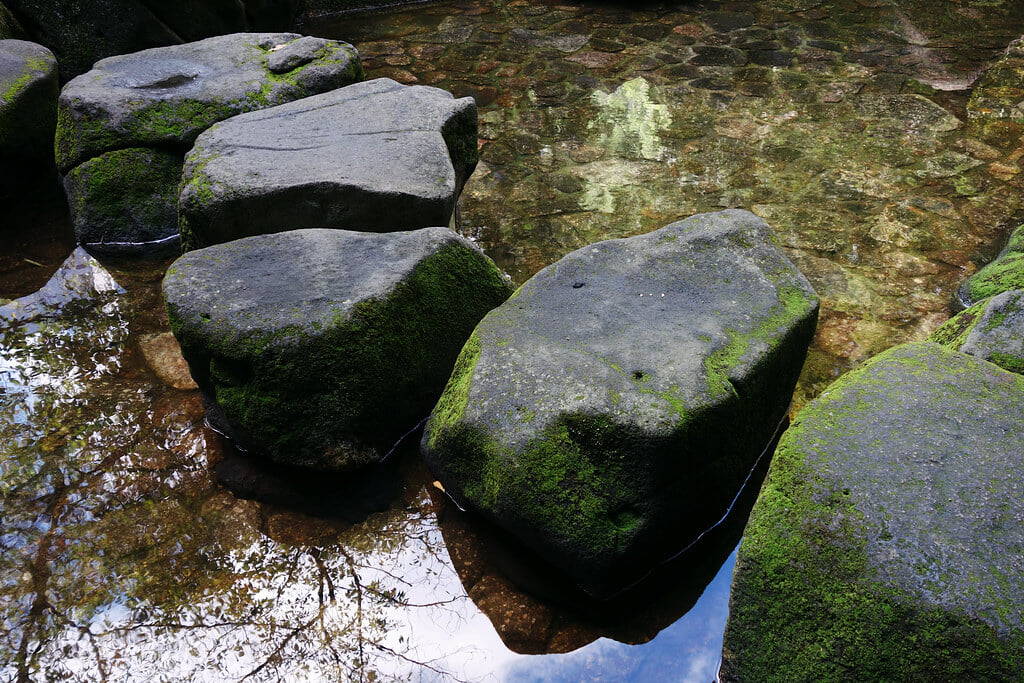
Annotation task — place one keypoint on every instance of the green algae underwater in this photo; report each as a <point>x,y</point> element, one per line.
<point>868,134</point>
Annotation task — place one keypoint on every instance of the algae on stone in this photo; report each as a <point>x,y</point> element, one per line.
<point>887,535</point>
<point>1004,274</point>
<point>609,411</point>
<point>992,330</point>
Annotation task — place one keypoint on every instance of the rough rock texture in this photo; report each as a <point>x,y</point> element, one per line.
<point>992,330</point>
<point>373,156</point>
<point>999,93</point>
<point>608,413</point>
<point>132,108</point>
<point>1004,274</point>
<point>80,33</point>
<point>889,534</point>
<point>163,356</point>
<point>28,109</point>
<point>321,348</point>
<point>128,196</point>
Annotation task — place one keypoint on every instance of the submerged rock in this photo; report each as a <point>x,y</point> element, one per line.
<point>320,348</point>
<point>28,110</point>
<point>610,411</point>
<point>1004,274</point>
<point>375,156</point>
<point>992,330</point>
<point>888,536</point>
<point>126,124</point>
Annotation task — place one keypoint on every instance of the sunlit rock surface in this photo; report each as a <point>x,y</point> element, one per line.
<point>992,330</point>
<point>608,413</point>
<point>79,279</point>
<point>375,156</point>
<point>321,348</point>
<point>888,536</point>
<point>28,110</point>
<point>126,125</point>
<point>80,33</point>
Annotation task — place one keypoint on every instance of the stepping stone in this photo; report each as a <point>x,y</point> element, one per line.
<point>992,330</point>
<point>375,156</point>
<point>321,348</point>
<point>125,126</point>
<point>887,539</point>
<point>28,110</point>
<point>610,411</point>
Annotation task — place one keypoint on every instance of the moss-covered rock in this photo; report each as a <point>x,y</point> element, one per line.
<point>373,156</point>
<point>608,413</point>
<point>28,110</point>
<point>992,330</point>
<point>162,99</point>
<point>127,197</point>
<point>320,348</point>
<point>1004,274</point>
<point>999,93</point>
<point>887,539</point>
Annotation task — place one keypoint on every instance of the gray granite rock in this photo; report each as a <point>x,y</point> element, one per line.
<point>154,103</point>
<point>374,156</point>
<point>992,330</point>
<point>889,533</point>
<point>1004,274</point>
<point>80,33</point>
<point>320,348</point>
<point>28,110</point>
<point>608,413</point>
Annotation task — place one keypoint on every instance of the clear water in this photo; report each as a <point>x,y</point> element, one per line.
<point>843,123</point>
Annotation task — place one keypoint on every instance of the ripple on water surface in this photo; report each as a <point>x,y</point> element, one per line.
<point>846,125</point>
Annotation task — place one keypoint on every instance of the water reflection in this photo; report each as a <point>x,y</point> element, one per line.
<point>841,122</point>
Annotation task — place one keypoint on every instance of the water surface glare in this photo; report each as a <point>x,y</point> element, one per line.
<point>846,124</point>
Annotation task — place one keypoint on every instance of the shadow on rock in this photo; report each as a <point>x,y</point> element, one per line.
<point>536,609</point>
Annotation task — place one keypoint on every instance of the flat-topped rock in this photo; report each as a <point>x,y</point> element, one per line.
<point>374,156</point>
<point>320,348</point>
<point>115,119</point>
<point>28,109</point>
<point>888,535</point>
<point>608,413</point>
<point>992,330</point>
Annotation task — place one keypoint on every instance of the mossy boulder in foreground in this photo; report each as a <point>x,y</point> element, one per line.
<point>887,540</point>
<point>1004,274</point>
<point>156,102</point>
<point>320,348</point>
<point>608,413</point>
<point>28,110</point>
<point>992,330</point>
<point>374,156</point>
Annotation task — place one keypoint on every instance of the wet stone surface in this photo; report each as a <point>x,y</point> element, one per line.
<point>844,124</point>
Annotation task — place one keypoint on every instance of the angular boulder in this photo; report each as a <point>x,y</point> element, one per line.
<point>609,412</point>
<point>992,330</point>
<point>888,537</point>
<point>375,156</point>
<point>80,33</point>
<point>321,348</point>
<point>142,112</point>
<point>1004,274</point>
<point>28,110</point>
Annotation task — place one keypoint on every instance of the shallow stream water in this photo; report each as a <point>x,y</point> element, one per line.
<point>844,124</point>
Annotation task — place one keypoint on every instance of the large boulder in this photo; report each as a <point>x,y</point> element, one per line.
<point>888,537</point>
<point>320,348</point>
<point>80,33</point>
<point>992,330</point>
<point>124,126</point>
<point>608,413</point>
<point>1004,274</point>
<point>374,156</point>
<point>28,110</point>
